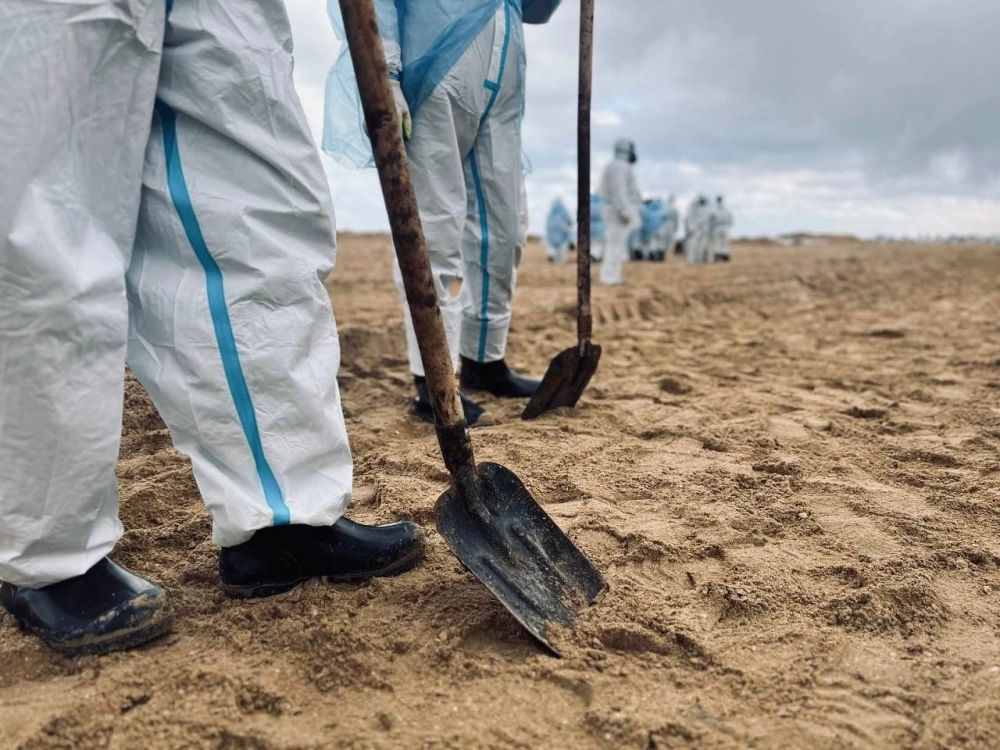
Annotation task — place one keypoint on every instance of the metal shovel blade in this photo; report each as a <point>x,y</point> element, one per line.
<point>501,534</point>
<point>565,380</point>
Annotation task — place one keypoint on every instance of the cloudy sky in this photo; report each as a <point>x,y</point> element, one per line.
<point>860,116</point>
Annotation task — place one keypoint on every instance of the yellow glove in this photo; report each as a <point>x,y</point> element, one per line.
<point>402,109</point>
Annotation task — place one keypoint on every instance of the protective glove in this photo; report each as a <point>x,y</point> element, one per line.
<point>402,109</point>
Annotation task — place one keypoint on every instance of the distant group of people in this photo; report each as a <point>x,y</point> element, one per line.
<point>615,213</point>
<point>706,230</point>
<point>625,226</point>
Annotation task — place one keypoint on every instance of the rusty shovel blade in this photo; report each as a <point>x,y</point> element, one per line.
<point>565,380</point>
<point>501,534</point>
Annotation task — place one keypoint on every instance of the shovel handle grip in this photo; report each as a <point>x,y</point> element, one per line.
<point>584,319</point>
<point>385,132</point>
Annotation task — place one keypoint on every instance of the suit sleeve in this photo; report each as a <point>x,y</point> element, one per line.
<point>538,11</point>
<point>388,24</point>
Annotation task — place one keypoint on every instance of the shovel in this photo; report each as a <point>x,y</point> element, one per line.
<point>571,370</point>
<point>488,518</point>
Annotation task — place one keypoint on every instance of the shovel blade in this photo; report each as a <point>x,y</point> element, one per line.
<point>501,534</point>
<point>565,380</point>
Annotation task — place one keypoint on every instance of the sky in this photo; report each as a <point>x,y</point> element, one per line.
<point>862,117</point>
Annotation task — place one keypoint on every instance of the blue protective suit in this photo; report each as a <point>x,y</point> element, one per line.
<point>653,217</point>
<point>423,37</point>
<point>646,240</point>
<point>558,231</point>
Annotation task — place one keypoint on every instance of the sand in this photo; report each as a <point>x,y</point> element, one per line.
<point>786,467</point>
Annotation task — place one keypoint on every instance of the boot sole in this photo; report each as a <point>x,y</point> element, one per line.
<point>157,619</point>
<point>271,588</point>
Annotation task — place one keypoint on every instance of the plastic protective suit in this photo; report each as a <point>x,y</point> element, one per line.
<point>652,244</point>
<point>461,67</point>
<point>666,236</point>
<point>558,231</point>
<point>722,221</point>
<point>161,199</point>
<point>596,228</point>
<point>698,232</point>
<point>621,210</point>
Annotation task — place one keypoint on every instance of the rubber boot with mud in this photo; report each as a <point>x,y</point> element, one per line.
<point>496,378</point>
<point>278,558</point>
<point>106,609</point>
<point>422,404</point>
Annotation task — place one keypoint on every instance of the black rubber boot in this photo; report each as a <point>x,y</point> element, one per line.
<point>106,609</point>
<point>279,558</point>
<point>422,404</point>
<point>496,378</point>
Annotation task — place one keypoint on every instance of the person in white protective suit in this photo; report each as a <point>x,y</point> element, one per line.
<point>162,201</point>
<point>698,231</point>
<point>622,199</point>
<point>558,232</point>
<point>666,235</point>
<point>722,221</point>
<point>458,77</point>
<point>597,238</point>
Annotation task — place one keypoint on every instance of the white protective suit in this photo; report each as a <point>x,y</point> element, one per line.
<point>698,232</point>
<point>722,222</point>
<point>465,162</point>
<point>161,199</point>
<point>666,235</point>
<point>622,199</point>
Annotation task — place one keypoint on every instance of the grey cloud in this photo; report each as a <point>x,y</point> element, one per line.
<point>845,102</point>
<point>890,85</point>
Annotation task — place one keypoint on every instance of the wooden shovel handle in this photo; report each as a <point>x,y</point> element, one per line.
<point>584,320</point>
<point>385,132</point>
